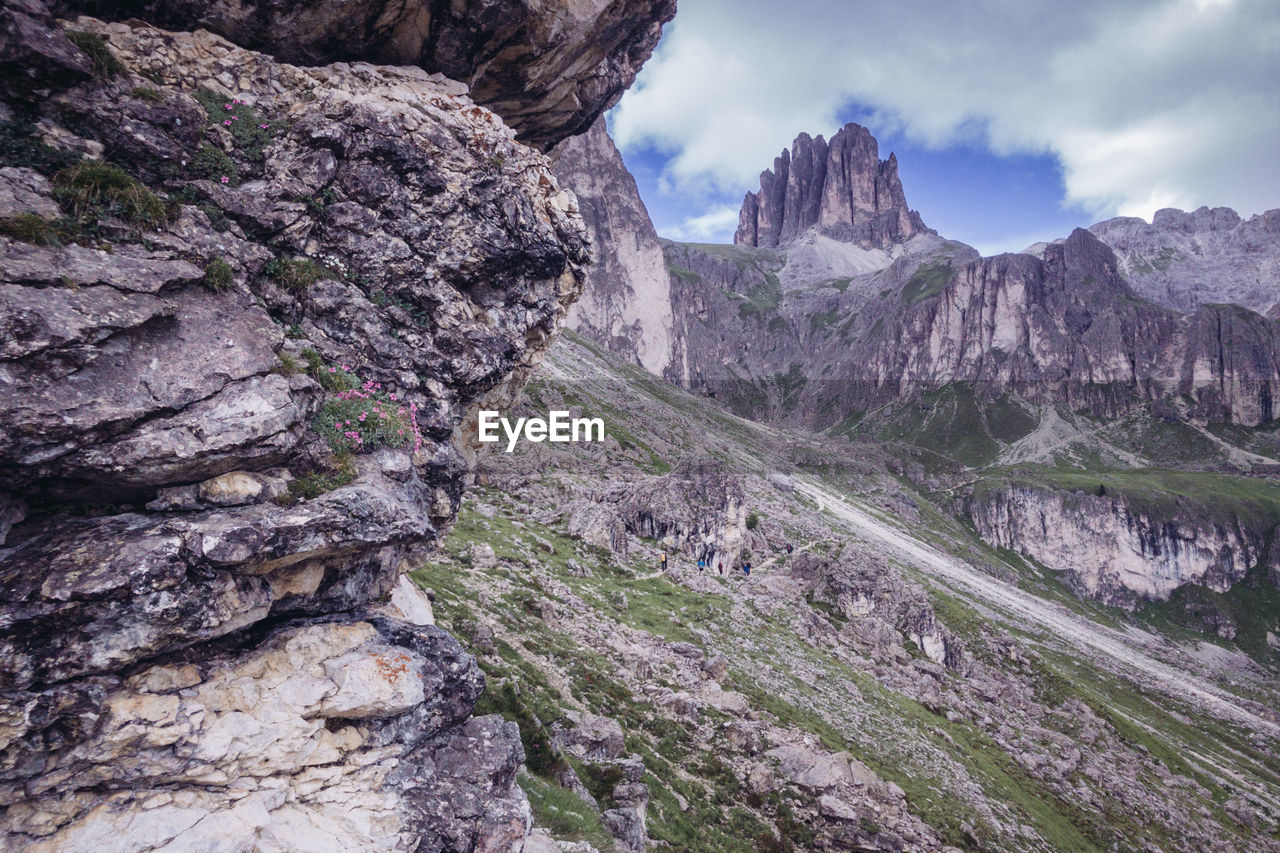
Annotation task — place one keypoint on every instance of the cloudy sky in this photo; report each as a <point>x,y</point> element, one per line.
<point>1013,120</point>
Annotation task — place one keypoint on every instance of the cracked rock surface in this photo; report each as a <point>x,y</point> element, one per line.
<point>194,648</point>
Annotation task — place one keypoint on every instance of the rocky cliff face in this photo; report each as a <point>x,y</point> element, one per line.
<point>1065,328</point>
<point>1185,260</point>
<point>842,188</point>
<point>235,357</point>
<point>1068,327</point>
<point>549,69</point>
<point>626,302</point>
<point>1113,551</point>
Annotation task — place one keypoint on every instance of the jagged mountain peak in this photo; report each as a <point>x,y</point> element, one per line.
<point>841,188</point>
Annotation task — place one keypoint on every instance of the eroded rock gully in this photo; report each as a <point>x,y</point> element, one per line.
<point>206,255</point>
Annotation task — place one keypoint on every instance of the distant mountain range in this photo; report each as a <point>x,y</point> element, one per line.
<point>837,298</point>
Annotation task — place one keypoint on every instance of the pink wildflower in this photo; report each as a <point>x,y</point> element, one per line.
<point>225,179</point>
<point>227,122</point>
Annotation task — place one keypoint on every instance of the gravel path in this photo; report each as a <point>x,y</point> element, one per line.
<point>1083,634</point>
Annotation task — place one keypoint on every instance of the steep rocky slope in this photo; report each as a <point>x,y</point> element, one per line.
<point>626,303</point>
<point>846,695</point>
<point>549,69</point>
<point>245,307</point>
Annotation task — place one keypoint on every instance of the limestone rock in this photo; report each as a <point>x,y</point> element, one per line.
<point>1116,553</point>
<point>842,188</point>
<point>626,301</point>
<point>549,69</point>
<point>194,647</point>
<point>588,736</point>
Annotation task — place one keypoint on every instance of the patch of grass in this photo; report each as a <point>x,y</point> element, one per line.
<point>33,229</point>
<point>104,61</point>
<point>297,274</point>
<point>683,274</point>
<point>762,298</point>
<point>564,813</point>
<point>822,319</point>
<point>1252,605</point>
<point>218,275</point>
<point>928,280</point>
<point>338,471</point>
<point>93,188</point>
<point>146,93</point>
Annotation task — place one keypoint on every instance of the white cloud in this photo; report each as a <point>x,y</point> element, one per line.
<point>1146,103</point>
<point>712,226</point>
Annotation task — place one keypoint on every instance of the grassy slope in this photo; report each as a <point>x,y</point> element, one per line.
<point>698,804</point>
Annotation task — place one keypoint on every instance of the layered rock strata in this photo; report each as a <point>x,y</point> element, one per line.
<point>1113,551</point>
<point>549,69</point>
<point>235,357</point>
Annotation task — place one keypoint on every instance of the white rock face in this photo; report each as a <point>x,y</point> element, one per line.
<point>1111,552</point>
<point>249,746</point>
<point>626,304</point>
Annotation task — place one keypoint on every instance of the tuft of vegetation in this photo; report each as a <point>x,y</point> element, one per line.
<point>297,274</point>
<point>146,93</point>
<point>95,46</point>
<point>753,520</point>
<point>289,365</point>
<point>336,472</point>
<point>250,132</point>
<point>928,280</point>
<point>218,275</point>
<point>360,417</point>
<point>212,163</point>
<point>33,229</point>
<point>93,188</point>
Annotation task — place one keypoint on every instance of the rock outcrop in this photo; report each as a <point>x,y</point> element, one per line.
<point>883,608</point>
<point>841,188</point>
<point>1114,550</point>
<point>1185,260</point>
<point>698,509</point>
<point>626,302</point>
<point>549,69</point>
<point>234,361</point>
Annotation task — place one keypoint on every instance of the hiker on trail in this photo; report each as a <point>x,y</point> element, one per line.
<point>788,547</point>
<point>746,568</point>
<point>664,561</point>
<point>720,565</point>
<point>702,564</point>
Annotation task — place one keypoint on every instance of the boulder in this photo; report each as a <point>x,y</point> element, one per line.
<point>588,736</point>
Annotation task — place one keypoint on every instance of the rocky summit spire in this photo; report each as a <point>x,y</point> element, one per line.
<point>842,188</point>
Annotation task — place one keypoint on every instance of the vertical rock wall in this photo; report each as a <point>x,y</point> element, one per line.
<point>245,308</point>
